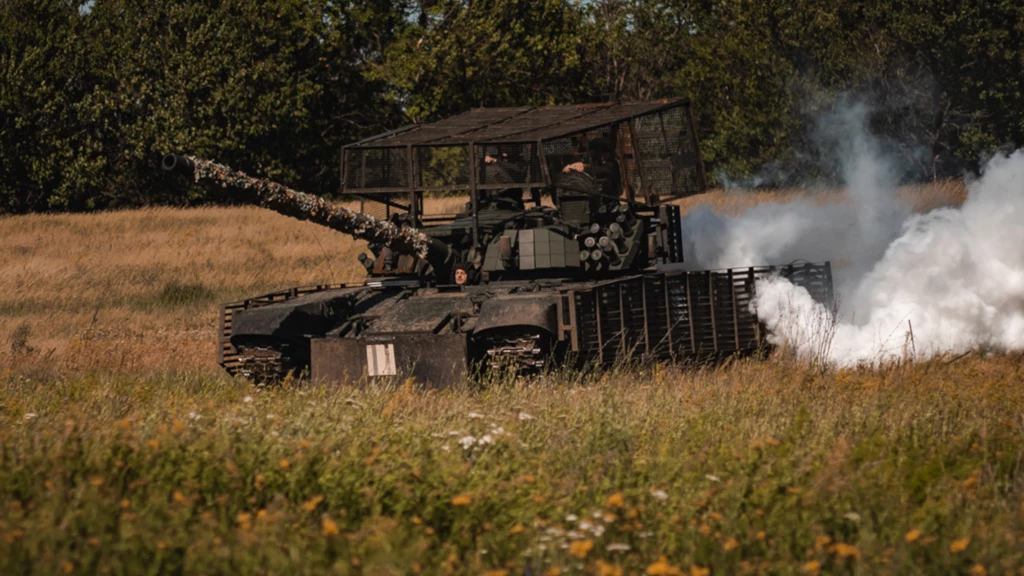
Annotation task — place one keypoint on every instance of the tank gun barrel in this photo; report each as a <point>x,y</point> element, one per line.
<point>303,206</point>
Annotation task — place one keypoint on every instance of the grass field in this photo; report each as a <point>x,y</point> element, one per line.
<point>123,449</point>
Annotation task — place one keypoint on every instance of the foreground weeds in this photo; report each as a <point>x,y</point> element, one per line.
<point>751,468</point>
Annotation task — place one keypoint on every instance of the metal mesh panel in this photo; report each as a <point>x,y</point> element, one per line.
<point>663,143</point>
<point>508,164</point>
<point>383,204</point>
<point>440,166</point>
<point>371,168</point>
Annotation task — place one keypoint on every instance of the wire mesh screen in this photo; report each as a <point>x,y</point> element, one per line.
<point>383,204</point>
<point>441,167</point>
<point>663,143</point>
<point>508,164</point>
<point>375,168</point>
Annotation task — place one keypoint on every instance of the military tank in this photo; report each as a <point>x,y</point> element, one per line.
<point>563,246</point>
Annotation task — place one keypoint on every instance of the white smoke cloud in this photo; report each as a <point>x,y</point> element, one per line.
<point>953,278</point>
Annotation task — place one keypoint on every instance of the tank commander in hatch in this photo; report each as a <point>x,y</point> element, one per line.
<point>599,163</point>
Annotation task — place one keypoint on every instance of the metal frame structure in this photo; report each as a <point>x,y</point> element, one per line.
<point>656,147</point>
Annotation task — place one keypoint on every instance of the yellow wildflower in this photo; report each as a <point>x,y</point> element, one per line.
<point>912,536</point>
<point>608,569</point>
<point>516,528</point>
<point>462,500</point>
<point>285,464</point>
<point>704,529</point>
<point>812,567</point>
<point>699,570</point>
<point>581,548</point>
<point>958,546</point>
<point>821,541</point>
<point>96,481</point>
<point>760,535</point>
<point>154,444</point>
<point>616,501</point>
<point>328,527</point>
<point>312,503</point>
<point>978,570</point>
<point>67,567</point>
<point>730,544</point>
<point>553,571</point>
<point>179,497</point>
<point>662,568</point>
<point>847,550</point>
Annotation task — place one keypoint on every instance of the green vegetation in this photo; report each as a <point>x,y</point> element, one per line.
<point>93,91</point>
<point>747,468</point>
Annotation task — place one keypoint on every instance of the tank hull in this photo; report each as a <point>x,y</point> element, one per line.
<point>440,336</point>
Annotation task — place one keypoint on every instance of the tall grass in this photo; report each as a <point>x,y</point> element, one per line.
<point>758,467</point>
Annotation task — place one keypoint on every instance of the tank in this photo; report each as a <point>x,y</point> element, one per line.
<point>507,238</point>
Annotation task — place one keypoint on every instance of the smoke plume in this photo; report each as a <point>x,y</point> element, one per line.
<point>949,280</point>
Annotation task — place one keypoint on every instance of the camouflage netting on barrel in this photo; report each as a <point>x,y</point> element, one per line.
<point>303,206</point>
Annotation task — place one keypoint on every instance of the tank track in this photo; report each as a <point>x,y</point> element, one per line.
<point>269,361</point>
<point>522,352</point>
<point>267,364</point>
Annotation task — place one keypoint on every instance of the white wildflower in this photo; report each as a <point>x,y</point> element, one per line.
<point>467,442</point>
<point>485,440</point>
<point>585,525</point>
<point>712,477</point>
<point>852,516</point>
<point>523,416</point>
<point>247,399</point>
<point>659,494</point>
<point>647,534</point>
<point>475,415</point>
<point>575,535</point>
<point>455,433</point>
<point>445,447</point>
<point>598,514</point>
<point>31,416</point>
<point>571,518</point>
<point>618,547</point>
<point>194,416</point>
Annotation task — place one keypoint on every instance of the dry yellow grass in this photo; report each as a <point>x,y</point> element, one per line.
<point>139,290</point>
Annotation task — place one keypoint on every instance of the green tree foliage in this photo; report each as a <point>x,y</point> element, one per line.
<point>92,92</point>
<point>273,87</point>
<point>458,54</point>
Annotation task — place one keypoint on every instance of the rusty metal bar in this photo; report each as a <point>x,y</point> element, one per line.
<point>735,312</point>
<point>622,319</point>
<point>597,317</point>
<point>669,325</point>
<point>711,306</point>
<point>647,326</point>
<point>689,312</point>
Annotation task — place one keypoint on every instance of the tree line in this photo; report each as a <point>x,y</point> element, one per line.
<point>93,91</point>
